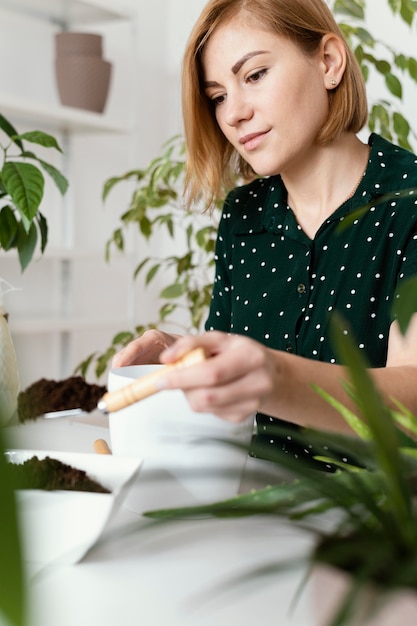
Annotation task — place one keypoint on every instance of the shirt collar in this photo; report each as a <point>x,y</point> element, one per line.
<point>263,202</point>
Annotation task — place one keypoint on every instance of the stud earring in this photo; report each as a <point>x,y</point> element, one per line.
<point>333,82</point>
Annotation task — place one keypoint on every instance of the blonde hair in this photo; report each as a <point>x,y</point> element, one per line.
<point>213,165</point>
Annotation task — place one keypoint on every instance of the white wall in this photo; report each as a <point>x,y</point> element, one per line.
<point>145,91</point>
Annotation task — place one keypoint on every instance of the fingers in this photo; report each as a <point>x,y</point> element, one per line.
<point>144,350</point>
<point>212,342</point>
<point>232,383</point>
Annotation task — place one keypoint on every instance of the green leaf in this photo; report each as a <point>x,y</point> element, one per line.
<point>40,138</point>
<point>172,291</point>
<point>114,180</point>
<point>166,310</point>
<point>141,266</point>
<point>356,424</point>
<point>412,68</point>
<point>353,8</point>
<point>401,125</point>
<point>25,184</point>
<point>26,245</point>
<point>103,359</point>
<point>395,5</point>
<point>82,367</point>
<point>9,228</point>
<point>405,302</point>
<point>380,423</point>
<point>59,179</point>
<point>383,67</point>
<point>10,130</point>
<point>364,36</point>
<point>405,419</point>
<point>118,239</point>
<point>152,273</point>
<point>12,585</point>
<point>394,85</point>
<point>43,230</point>
<point>407,13</point>
<point>401,61</point>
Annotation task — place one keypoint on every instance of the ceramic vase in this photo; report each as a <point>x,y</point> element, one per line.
<point>82,75</point>
<point>329,587</point>
<point>9,373</point>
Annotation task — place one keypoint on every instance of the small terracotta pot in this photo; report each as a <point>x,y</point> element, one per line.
<point>71,43</point>
<point>83,81</point>
<point>330,586</point>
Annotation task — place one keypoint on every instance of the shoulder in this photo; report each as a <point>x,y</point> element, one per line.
<point>252,192</point>
<point>245,206</point>
<point>398,165</point>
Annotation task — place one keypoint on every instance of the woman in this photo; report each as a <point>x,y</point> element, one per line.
<point>271,89</point>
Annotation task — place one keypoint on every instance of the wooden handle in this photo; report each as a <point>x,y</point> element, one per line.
<point>101,447</point>
<point>145,386</point>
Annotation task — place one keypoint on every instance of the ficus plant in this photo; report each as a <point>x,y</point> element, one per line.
<point>157,206</point>
<point>374,55</point>
<point>22,225</point>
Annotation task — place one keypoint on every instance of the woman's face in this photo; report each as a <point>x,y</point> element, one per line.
<point>270,98</point>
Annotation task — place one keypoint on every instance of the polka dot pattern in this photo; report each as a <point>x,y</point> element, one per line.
<point>275,284</point>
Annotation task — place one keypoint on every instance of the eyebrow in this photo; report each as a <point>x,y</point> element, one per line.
<point>245,58</point>
<point>236,67</point>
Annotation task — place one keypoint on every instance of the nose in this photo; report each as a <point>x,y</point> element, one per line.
<point>237,110</point>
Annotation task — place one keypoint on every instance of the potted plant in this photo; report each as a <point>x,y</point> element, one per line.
<point>21,226</point>
<point>372,542</point>
<point>21,191</point>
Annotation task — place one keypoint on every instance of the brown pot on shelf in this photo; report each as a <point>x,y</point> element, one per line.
<point>75,44</point>
<point>82,75</point>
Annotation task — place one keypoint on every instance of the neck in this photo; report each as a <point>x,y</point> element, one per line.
<point>325,181</point>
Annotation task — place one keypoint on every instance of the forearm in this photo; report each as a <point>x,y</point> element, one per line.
<point>294,399</point>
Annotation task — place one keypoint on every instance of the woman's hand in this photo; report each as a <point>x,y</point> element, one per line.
<point>232,383</point>
<point>145,350</point>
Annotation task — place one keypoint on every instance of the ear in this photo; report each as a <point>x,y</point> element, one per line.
<point>333,59</point>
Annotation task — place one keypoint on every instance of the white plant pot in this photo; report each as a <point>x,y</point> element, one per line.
<point>9,373</point>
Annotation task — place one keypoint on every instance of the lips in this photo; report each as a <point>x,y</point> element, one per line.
<point>252,140</point>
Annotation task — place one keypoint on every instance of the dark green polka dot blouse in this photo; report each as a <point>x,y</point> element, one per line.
<point>275,284</point>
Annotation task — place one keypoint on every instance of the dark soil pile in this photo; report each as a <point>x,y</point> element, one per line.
<point>51,474</point>
<point>46,395</point>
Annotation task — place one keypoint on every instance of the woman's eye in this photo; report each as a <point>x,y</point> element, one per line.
<point>256,76</point>
<point>216,100</point>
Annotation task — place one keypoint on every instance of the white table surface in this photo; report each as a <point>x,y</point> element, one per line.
<point>183,573</point>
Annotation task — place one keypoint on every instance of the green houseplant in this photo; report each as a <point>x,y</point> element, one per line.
<point>21,190</point>
<point>22,225</point>
<point>156,205</point>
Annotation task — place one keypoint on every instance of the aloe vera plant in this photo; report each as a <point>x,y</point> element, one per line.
<point>374,499</point>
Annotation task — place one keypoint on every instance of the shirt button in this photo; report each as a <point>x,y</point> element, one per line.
<point>289,347</point>
<point>301,288</point>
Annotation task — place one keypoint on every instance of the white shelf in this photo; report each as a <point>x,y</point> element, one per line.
<point>62,325</point>
<point>57,117</point>
<point>69,254</point>
<point>71,12</point>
